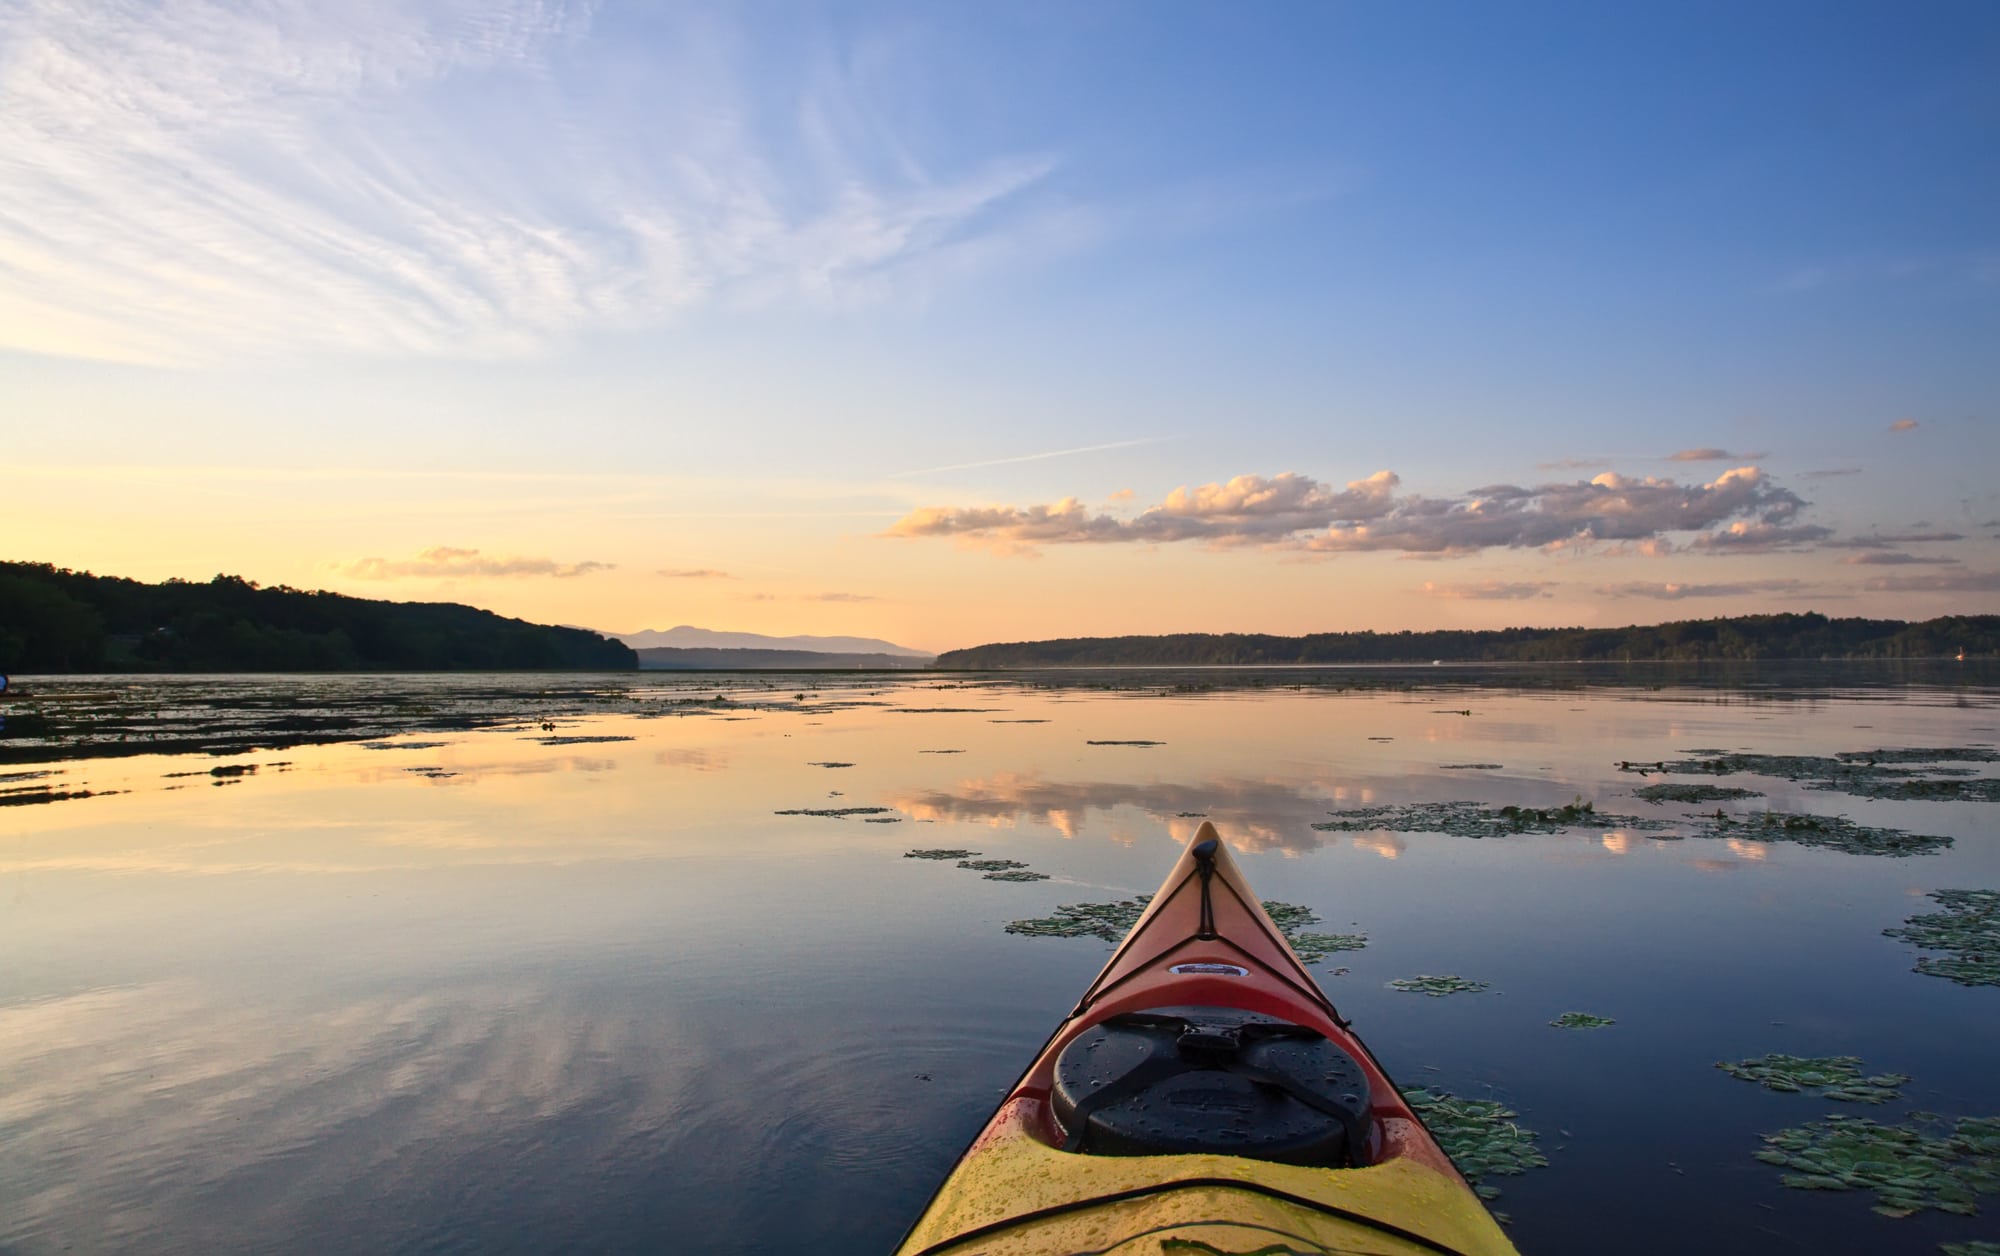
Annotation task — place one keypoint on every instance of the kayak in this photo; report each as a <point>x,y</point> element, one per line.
<point>1204,1097</point>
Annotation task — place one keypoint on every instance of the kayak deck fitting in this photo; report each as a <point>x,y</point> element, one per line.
<point>1204,1097</point>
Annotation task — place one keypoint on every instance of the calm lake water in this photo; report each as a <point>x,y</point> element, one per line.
<point>475,984</point>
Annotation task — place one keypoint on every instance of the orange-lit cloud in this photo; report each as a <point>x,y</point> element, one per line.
<point>1741,509</point>
<point>1904,425</point>
<point>444,562</point>
<point>698,573</point>
<point>1942,582</point>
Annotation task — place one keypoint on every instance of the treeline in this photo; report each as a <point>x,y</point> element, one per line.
<point>56,620</point>
<point>1745,637</point>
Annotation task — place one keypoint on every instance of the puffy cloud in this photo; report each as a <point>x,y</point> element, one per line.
<point>1711,454</point>
<point>698,573</point>
<point>1756,536</point>
<point>1672,592</point>
<point>1490,590</point>
<point>443,562</point>
<point>1904,425</point>
<point>1941,582</point>
<point>1741,509</point>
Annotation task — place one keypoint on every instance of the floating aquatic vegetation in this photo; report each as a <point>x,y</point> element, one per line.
<point>1314,947</point>
<point>883,820</point>
<point>1480,1136</point>
<point>1888,774</point>
<point>939,853</point>
<point>1016,874</point>
<point>1668,792</point>
<point>403,745</point>
<point>1581,1020</point>
<point>43,793</point>
<point>834,813</point>
<point>1470,767</point>
<point>829,763</point>
<point>1190,815</point>
<point>580,740</point>
<point>1109,921</point>
<point>1438,987</point>
<point>1971,1247</point>
<point>990,865</point>
<point>940,752</point>
<point>1834,1076</point>
<point>1910,1167</point>
<point>1477,820</point>
<point>1017,721</point>
<point>940,710</point>
<point>1825,832</point>
<point>1968,930</point>
<point>1124,743</point>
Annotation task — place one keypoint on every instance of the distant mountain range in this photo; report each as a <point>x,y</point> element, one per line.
<point>660,658</point>
<point>687,637</point>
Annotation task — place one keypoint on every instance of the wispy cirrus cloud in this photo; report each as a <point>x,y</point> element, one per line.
<point>1892,558</point>
<point>217,178</point>
<point>1883,540</point>
<point>1489,590</point>
<point>1742,508</point>
<point>443,562</point>
<point>1942,582</point>
<point>1670,591</point>
<point>696,573</point>
<point>1710,454</point>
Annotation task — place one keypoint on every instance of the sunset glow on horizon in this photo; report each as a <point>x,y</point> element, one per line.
<point>951,326</point>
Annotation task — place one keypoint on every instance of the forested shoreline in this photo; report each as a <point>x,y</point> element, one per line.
<point>1802,636</point>
<point>54,620</point>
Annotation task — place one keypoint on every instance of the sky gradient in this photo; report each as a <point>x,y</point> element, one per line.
<point>973,323</point>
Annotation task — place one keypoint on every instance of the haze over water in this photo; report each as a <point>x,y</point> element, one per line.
<point>518,989</point>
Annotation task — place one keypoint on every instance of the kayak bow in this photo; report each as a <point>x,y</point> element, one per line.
<point>1204,1097</point>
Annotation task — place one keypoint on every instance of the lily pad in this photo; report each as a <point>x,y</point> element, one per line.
<point>836,813</point>
<point>1834,1076</point>
<point>990,865</point>
<point>1902,774</point>
<point>1480,1136</point>
<point>1016,874</point>
<point>1109,921</point>
<point>1967,930</point>
<point>1825,832</point>
<point>939,853</point>
<point>1910,1167</point>
<point>1581,1020</point>
<point>1438,987</point>
<point>1477,820</point>
<point>1671,792</point>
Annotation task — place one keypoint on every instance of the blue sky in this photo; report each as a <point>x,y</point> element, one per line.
<point>842,301</point>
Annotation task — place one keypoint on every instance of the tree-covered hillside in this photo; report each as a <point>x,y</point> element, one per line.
<point>1746,637</point>
<point>56,620</point>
